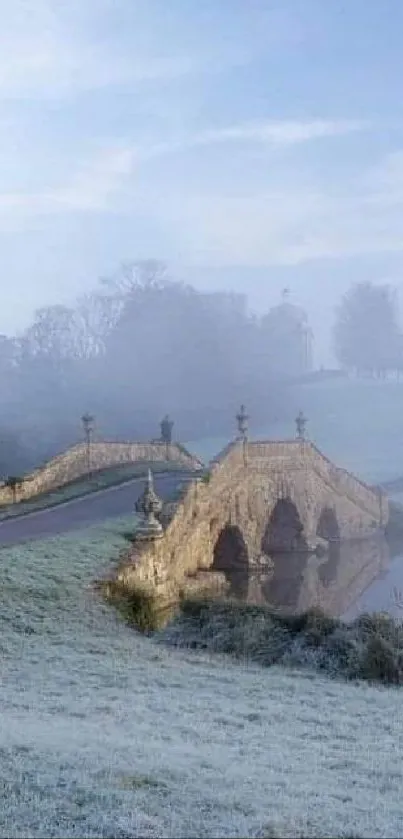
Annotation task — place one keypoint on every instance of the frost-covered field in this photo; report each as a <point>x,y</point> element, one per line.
<point>108,734</point>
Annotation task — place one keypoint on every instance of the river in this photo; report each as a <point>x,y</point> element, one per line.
<point>357,424</point>
<point>105,733</point>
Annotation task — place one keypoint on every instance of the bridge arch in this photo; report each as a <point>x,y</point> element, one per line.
<point>230,552</point>
<point>284,531</point>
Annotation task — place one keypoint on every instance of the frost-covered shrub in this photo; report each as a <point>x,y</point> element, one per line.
<point>379,624</point>
<point>381,662</point>
<point>370,648</point>
<point>318,627</point>
<point>344,652</point>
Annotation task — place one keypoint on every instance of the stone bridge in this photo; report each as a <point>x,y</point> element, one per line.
<point>73,464</point>
<point>257,499</point>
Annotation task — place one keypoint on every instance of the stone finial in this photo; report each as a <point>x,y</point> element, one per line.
<point>242,422</point>
<point>88,422</point>
<point>300,422</point>
<point>149,506</point>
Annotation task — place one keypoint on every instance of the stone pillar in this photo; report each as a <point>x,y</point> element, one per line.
<point>300,422</point>
<point>242,421</point>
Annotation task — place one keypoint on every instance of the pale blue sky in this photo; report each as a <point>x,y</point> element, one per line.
<point>248,143</point>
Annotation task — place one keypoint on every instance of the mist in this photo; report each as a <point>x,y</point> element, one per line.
<point>201,140</point>
<point>140,345</point>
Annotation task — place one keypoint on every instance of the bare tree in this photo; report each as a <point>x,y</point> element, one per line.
<point>134,275</point>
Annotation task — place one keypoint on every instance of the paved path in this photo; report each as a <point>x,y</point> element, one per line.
<point>83,512</point>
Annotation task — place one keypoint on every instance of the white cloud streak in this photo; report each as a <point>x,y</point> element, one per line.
<point>281,132</point>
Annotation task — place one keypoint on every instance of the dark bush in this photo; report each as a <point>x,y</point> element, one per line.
<point>379,624</point>
<point>380,662</point>
<point>344,651</point>
<point>371,647</point>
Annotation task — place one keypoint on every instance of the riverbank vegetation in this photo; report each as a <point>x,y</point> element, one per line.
<point>368,648</point>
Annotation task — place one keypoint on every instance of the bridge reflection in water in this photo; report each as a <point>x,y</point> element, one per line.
<point>299,581</point>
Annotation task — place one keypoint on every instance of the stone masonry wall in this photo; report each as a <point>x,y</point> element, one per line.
<point>244,486</point>
<point>72,464</point>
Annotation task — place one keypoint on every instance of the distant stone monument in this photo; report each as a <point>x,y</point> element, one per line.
<point>166,429</point>
<point>242,422</point>
<point>149,506</point>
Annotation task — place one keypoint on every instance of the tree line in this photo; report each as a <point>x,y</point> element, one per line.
<point>142,344</point>
<point>368,338</point>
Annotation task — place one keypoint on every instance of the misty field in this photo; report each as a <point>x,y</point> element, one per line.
<point>106,733</point>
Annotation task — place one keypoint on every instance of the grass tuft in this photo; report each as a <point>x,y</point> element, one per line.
<point>138,607</point>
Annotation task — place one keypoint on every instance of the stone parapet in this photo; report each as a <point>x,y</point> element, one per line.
<point>73,464</point>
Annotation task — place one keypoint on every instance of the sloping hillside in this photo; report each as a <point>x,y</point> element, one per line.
<point>108,733</point>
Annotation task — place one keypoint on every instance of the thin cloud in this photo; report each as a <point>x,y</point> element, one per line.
<point>52,68</point>
<point>50,50</point>
<point>96,185</point>
<point>281,132</point>
<point>269,133</point>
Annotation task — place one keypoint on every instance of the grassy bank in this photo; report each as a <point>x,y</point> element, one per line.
<point>369,648</point>
<point>102,479</point>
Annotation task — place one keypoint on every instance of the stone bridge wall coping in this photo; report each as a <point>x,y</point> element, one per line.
<point>72,464</point>
<point>232,457</point>
<point>363,494</point>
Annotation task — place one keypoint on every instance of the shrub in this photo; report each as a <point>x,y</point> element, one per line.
<point>344,653</point>
<point>371,647</point>
<point>314,623</point>
<point>380,662</point>
<point>379,624</point>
